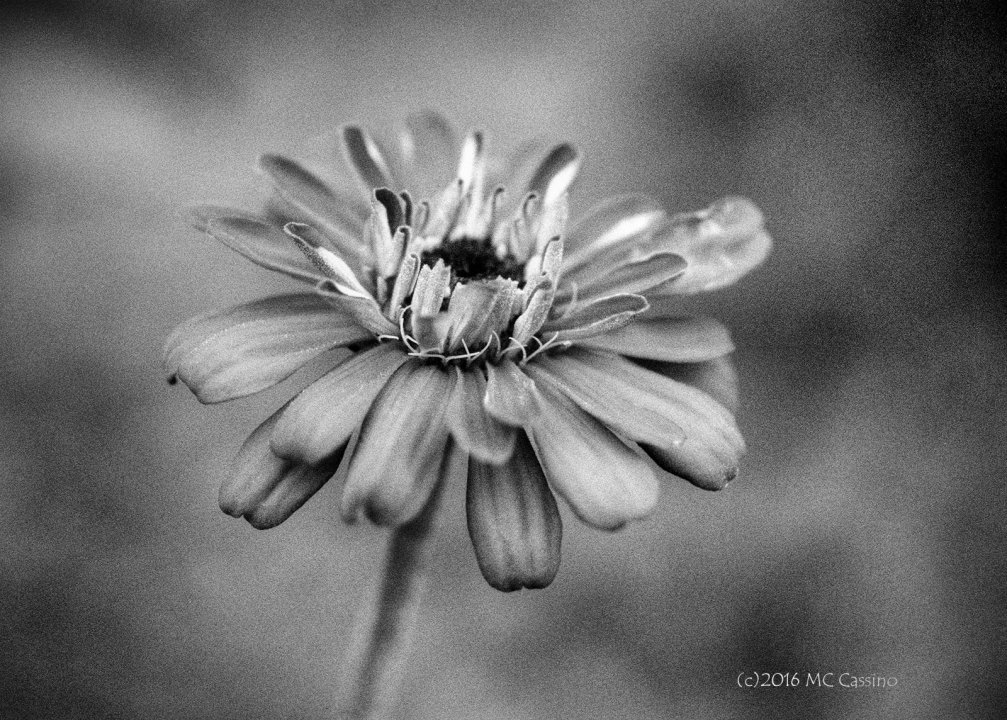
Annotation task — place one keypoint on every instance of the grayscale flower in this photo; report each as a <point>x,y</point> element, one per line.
<point>487,339</point>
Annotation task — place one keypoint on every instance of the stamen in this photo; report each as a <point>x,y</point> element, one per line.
<point>542,346</point>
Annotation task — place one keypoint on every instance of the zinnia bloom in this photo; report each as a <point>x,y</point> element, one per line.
<point>487,339</point>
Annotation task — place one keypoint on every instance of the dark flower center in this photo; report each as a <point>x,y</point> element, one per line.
<point>471,259</point>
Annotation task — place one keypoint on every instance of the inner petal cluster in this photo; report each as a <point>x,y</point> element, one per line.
<point>469,276</point>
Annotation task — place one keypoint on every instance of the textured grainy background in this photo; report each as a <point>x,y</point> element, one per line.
<point>866,534</point>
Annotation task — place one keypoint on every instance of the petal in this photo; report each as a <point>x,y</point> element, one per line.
<point>641,407</point>
<point>517,170</point>
<point>708,461</point>
<point>552,258</point>
<point>405,281</point>
<point>478,312</point>
<point>633,274</point>
<point>484,437</point>
<point>597,318</point>
<point>433,284</point>
<point>265,489</point>
<point>311,242</point>
<point>551,226</point>
<point>616,223</point>
<point>721,243</point>
<point>609,387</point>
<point>429,145</point>
<point>443,211</point>
<point>511,396</point>
<point>513,521</point>
<point>603,480</point>
<point>681,339</point>
<point>535,313</point>
<point>324,415</point>
<point>365,156</point>
<point>322,206</point>
<point>361,307</point>
<point>386,217</point>
<point>259,241</point>
<point>472,164</point>
<point>716,377</point>
<point>403,447</point>
<point>555,174</point>
<point>248,348</point>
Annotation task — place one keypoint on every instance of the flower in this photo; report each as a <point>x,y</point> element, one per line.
<point>487,341</point>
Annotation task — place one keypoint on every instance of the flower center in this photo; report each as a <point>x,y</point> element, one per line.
<point>474,259</point>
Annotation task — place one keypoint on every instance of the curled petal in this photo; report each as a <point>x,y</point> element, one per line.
<point>721,244</point>
<point>605,482</point>
<point>245,349</point>
<point>484,437</point>
<point>535,313</point>
<point>675,339</point>
<point>266,489</point>
<point>322,417</point>
<point>329,264</point>
<point>261,242</point>
<point>387,217</point>
<point>403,448</point>
<point>513,521</point>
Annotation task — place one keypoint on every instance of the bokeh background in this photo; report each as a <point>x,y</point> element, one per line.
<point>866,534</point>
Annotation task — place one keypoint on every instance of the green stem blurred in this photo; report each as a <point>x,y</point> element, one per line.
<point>384,631</point>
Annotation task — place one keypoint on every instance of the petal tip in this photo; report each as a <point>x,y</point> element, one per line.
<point>513,584</point>
<point>229,502</point>
<point>264,520</point>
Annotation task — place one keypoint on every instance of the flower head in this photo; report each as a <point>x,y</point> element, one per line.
<point>488,338</point>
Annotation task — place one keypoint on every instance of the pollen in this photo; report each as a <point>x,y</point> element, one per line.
<point>475,259</point>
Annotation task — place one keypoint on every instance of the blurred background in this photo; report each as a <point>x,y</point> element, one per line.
<point>865,534</point>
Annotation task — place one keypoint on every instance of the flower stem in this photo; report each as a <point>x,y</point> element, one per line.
<point>384,630</point>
